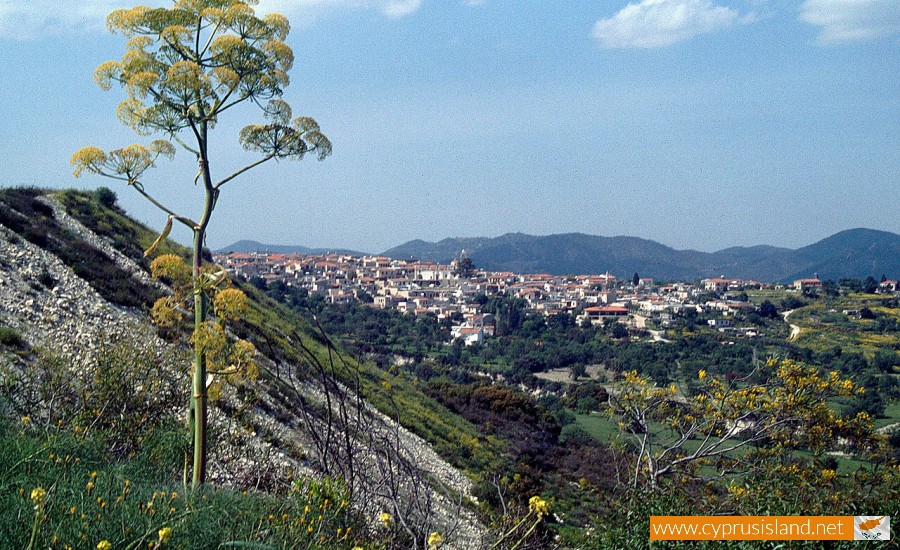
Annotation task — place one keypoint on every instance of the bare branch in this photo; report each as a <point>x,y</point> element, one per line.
<point>244,169</point>
<point>186,221</point>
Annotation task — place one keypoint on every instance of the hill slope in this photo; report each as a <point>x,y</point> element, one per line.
<point>74,285</point>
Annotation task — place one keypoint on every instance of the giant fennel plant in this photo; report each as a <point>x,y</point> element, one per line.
<point>183,68</point>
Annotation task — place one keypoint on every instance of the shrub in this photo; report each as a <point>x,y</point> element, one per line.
<point>128,392</point>
<point>9,337</point>
<point>105,196</point>
<point>47,280</point>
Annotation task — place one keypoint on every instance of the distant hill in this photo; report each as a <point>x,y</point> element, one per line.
<point>255,246</point>
<point>851,253</point>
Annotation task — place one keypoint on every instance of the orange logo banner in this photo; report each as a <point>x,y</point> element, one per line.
<point>752,527</point>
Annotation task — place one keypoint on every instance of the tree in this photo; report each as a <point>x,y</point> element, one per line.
<point>737,427</point>
<point>768,310</point>
<point>465,267</point>
<point>576,371</point>
<point>853,285</point>
<point>870,285</point>
<point>792,302</point>
<point>183,69</point>
<point>635,279</point>
<point>105,196</point>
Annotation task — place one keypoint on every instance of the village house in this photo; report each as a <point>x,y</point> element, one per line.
<point>805,285</point>
<point>720,284</point>
<point>469,335</point>
<point>597,314</point>
<point>889,286</point>
<point>429,288</point>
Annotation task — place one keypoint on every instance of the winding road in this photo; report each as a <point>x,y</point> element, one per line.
<point>795,330</point>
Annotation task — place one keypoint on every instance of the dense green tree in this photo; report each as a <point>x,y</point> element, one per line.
<point>853,285</point>
<point>768,310</point>
<point>619,330</point>
<point>578,370</point>
<point>465,267</point>
<point>870,285</point>
<point>792,302</point>
<point>105,196</point>
<point>183,69</point>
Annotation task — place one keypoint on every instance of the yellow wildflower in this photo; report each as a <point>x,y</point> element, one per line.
<point>104,545</point>
<point>701,375</point>
<point>164,534</point>
<point>230,304</point>
<point>385,518</point>
<point>38,496</point>
<point>539,506</point>
<point>435,539</point>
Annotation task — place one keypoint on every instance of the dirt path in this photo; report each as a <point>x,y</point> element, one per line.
<point>795,330</point>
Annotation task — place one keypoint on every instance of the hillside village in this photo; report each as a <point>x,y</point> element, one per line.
<point>450,291</point>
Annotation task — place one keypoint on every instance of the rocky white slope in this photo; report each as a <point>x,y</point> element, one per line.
<point>55,310</point>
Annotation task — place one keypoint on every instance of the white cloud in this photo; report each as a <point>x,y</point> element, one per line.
<point>399,8</point>
<point>26,20</point>
<point>658,23</point>
<point>35,18</point>
<point>852,20</point>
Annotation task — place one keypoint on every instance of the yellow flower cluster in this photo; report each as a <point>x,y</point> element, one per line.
<point>230,304</point>
<point>435,539</point>
<point>539,506</point>
<point>38,496</point>
<point>172,267</point>
<point>165,314</point>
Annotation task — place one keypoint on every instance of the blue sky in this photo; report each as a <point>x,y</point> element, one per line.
<point>700,124</point>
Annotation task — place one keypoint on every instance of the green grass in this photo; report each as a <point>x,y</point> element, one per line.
<point>129,237</point>
<point>90,499</point>
<point>599,426</point>
<point>891,415</point>
<point>775,296</point>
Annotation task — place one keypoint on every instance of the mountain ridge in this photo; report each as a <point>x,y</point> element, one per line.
<point>249,245</point>
<point>857,252</point>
